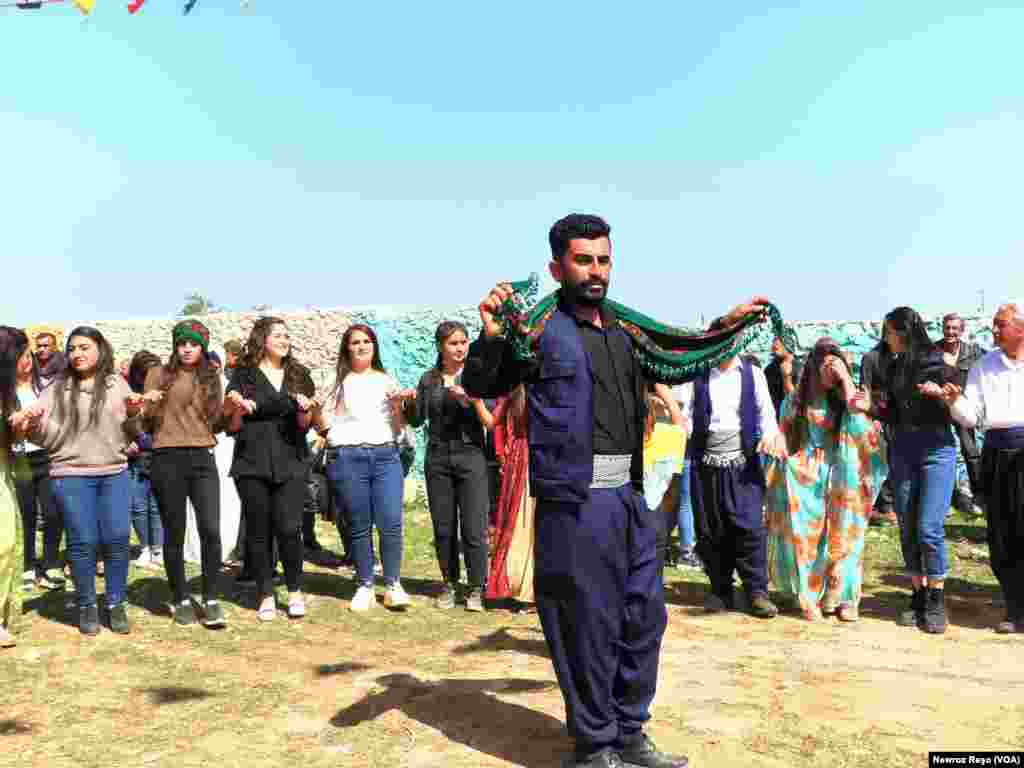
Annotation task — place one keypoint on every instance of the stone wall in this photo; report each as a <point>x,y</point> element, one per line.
<point>407,336</point>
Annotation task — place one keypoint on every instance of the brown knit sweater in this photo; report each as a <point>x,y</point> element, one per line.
<point>180,419</point>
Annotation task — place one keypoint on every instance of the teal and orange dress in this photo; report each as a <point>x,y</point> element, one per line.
<point>819,501</point>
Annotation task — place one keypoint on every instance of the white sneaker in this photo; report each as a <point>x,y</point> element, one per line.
<point>363,599</point>
<point>156,558</point>
<point>144,560</point>
<point>396,597</point>
<point>28,581</point>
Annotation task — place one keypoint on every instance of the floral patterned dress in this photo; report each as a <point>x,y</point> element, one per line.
<point>819,501</point>
<point>10,541</point>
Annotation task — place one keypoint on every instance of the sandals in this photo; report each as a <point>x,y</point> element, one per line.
<point>267,610</point>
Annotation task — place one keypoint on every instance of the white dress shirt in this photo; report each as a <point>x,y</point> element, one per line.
<point>994,397</point>
<point>724,389</point>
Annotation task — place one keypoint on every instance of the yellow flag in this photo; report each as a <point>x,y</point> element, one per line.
<point>85,6</point>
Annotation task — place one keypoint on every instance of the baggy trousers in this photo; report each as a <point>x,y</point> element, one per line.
<point>731,533</point>
<point>600,600</point>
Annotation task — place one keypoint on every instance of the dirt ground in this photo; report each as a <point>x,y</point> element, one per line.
<point>426,688</point>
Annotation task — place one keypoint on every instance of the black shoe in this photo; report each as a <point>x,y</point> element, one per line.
<point>184,614</point>
<point>639,752</point>
<point>913,616</point>
<point>89,620</point>
<point>119,619</point>
<point>213,615</point>
<point>761,606</point>
<point>716,603</point>
<point>935,611</point>
<point>245,579</point>
<point>604,759</point>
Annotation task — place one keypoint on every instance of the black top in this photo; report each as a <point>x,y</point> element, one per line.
<point>612,364</point>
<point>448,420</point>
<point>906,406</point>
<point>773,373</point>
<point>968,355</point>
<point>270,444</point>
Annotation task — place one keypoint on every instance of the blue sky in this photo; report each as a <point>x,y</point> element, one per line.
<point>843,158</point>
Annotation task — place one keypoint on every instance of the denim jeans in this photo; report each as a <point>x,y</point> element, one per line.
<point>687,537</point>
<point>33,487</point>
<point>143,507</point>
<point>923,470</point>
<point>95,511</point>
<point>367,480</point>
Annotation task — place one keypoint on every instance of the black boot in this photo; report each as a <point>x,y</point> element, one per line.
<point>89,620</point>
<point>638,751</point>
<point>913,616</point>
<point>935,611</point>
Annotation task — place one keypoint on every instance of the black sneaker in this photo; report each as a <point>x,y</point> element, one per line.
<point>639,752</point>
<point>119,619</point>
<point>184,614</point>
<point>935,611</point>
<point>213,615</point>
<point>606,758</point>
<point>89,620</point>
<point>245,579</point>
<point>914,615</point>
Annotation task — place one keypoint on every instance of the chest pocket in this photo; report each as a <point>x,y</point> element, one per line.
<point>557,379</point>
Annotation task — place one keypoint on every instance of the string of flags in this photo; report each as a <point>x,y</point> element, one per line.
<point>86,6</point>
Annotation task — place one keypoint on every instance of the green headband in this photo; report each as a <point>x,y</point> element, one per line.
<point>191,330</point>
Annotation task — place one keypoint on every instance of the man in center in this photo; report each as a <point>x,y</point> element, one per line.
<point>597,578</point>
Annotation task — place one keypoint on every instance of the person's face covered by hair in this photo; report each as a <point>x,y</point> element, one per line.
<point>584,270</point>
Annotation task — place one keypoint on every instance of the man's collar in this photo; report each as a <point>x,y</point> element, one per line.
<point>608,318</point>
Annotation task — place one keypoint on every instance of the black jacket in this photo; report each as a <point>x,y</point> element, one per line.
<point>270,444</point>
<point>446,418</point>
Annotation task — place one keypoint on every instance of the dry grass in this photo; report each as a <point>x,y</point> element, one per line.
<point>426,688</point>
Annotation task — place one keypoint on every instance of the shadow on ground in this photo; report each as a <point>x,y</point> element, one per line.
<point>467,712</point>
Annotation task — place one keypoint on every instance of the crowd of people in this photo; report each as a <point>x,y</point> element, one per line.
<point>534,471</point>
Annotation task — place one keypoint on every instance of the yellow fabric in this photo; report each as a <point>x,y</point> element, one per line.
<point>667,441</point>
<point>85,6</point>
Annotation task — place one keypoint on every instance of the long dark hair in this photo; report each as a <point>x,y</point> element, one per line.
<point>295,373</point>
<point>68,382</point>
<point>344,367</point>
<point>208,386</point>
<point>810,383</point>
<point>916,342</point>
<point>444,330</point>
<point>13,343</point>
<point>141,363</point>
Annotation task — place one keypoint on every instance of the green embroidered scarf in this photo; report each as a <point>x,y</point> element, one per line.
<point>668,354</point>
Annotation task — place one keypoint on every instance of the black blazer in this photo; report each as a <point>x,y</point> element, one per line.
<point>270,444</point>
<point>446,418</point>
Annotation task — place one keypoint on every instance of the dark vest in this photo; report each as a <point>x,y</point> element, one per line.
<point>702,414</point>
<point>560,407</point>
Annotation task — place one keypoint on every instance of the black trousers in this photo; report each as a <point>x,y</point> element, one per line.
<point>459,500</point>
<point>273,509</point>
<point>972,458</point>
<point>33,488</point>
<point>731,533</point>
<point>179,475</point>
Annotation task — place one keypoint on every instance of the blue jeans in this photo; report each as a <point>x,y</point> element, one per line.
<point>143,507</point>
<point>368,482</point>
<point>687,537</point>
<point>923,470</point>
<point>96,515</point>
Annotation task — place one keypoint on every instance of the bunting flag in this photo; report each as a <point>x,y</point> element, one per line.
<point>85,6</point>
<point>134,5</point>
<point>189,6</point>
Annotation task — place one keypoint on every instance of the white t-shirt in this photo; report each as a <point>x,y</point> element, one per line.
<point>27,398</point>
<point>361,413</point>
<point>725,389</point>
<point>994,397</point>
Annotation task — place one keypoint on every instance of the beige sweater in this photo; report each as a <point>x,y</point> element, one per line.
<point>97,449</point>
<point>181,418</point>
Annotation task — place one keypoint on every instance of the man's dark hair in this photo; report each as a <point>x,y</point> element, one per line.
<point>572,227</point>
<point>953,316</point>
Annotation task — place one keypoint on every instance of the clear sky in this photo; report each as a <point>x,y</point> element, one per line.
<point>843,158</point>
